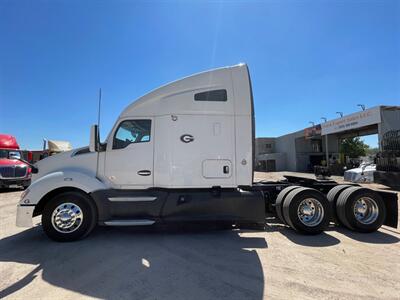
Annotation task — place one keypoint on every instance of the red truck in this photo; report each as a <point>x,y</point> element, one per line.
<point>13,172</point>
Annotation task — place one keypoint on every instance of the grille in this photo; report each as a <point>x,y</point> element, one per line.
<point>13,171</point>
<point>20,171</point>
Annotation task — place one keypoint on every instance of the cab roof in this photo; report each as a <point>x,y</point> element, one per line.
<point>8,141</point>
<point>177,97</point>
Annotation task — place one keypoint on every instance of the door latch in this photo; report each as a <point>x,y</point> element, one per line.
<point>144,172</point>
<point>226,169</point>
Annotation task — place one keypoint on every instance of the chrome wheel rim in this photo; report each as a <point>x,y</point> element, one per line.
<point>67,217</point>
<point>310,212</point>
<point>366,210</point>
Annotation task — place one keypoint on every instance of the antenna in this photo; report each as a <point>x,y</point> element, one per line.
<point>98,111</point>
<point>97,147</point>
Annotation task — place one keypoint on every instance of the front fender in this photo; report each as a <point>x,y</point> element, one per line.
<point>39,188</point>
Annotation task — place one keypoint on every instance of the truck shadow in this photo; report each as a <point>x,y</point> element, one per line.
<point>324,239</point>
<point>378,237</point>
<point>127,263</point>
<point>321,240</point>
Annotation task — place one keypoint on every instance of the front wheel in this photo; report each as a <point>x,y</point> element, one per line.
<point>69,216</point>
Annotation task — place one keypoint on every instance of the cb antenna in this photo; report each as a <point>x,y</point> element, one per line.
<point>99,108</point>
<point>97,146</point>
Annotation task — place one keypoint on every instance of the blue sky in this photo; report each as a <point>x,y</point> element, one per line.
<point>308,59</point>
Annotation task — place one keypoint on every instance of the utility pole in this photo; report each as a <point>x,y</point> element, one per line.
<point>326,145</point>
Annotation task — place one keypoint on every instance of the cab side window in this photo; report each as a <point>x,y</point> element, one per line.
<point>132,131</point>
<point>213,96</point>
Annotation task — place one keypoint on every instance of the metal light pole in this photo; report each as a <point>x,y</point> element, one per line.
<point>326,145</point>
<point>362,106</point>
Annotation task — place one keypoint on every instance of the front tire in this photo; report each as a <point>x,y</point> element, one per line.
<point>69,216</point>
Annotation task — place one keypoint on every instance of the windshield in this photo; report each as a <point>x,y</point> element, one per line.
<point>10,154</point>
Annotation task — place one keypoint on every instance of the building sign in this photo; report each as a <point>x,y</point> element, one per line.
<point>313,131</point>
<point>353,121</point>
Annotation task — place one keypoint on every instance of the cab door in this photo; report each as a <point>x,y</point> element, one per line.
<point>129,155</point>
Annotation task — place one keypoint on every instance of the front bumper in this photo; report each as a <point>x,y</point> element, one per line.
<point>24,215</point>
<point>24,182</point>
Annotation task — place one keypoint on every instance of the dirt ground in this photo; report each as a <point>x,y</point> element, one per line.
<point>197,263</point>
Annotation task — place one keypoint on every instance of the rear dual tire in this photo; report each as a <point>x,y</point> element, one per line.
<point>280,199</point>
<point>306,210</point>
<point>360,209</point>
<point>333,196</point>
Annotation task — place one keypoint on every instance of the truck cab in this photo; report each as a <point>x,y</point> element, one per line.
<point>180,153</point>
<point>13,172</point>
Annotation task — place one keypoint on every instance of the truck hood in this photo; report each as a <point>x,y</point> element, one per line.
<point>62,161</point>
<point>11,162</point>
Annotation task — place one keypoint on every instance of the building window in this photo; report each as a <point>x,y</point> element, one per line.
<point>316,145</point>
<point>130,132</point>
<point>268,146</point>
<point>215,96</point>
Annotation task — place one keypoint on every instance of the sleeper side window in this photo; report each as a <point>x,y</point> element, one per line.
<point>132,131</point>
<point>215,96</point>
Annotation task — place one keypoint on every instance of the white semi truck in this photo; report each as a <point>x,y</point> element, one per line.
<point>183,153</point>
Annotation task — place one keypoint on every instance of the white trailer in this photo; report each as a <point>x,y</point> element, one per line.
<point>184,152</point>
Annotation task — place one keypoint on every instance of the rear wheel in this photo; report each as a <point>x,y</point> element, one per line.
<point>361,209</point>
<point>280,199</point>
<point>307,210</point>
<point>69,216</point>
<point>333,196</point>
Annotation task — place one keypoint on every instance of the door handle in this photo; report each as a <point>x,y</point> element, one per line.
<point>144,172</point>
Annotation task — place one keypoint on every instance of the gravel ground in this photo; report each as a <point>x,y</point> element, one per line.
<point>195,263</point>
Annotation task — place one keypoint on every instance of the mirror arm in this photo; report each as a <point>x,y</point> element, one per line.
<point>35,170</point>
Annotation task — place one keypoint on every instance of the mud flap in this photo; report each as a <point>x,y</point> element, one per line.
<point>391,203</point>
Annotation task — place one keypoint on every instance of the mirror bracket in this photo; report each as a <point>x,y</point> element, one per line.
<point>94,138</point>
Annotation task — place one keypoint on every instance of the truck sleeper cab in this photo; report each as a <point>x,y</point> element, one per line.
<point>183,152</point>
<point>179,153</point>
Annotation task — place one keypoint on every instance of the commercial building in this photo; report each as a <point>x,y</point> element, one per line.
<point>301,150</point>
